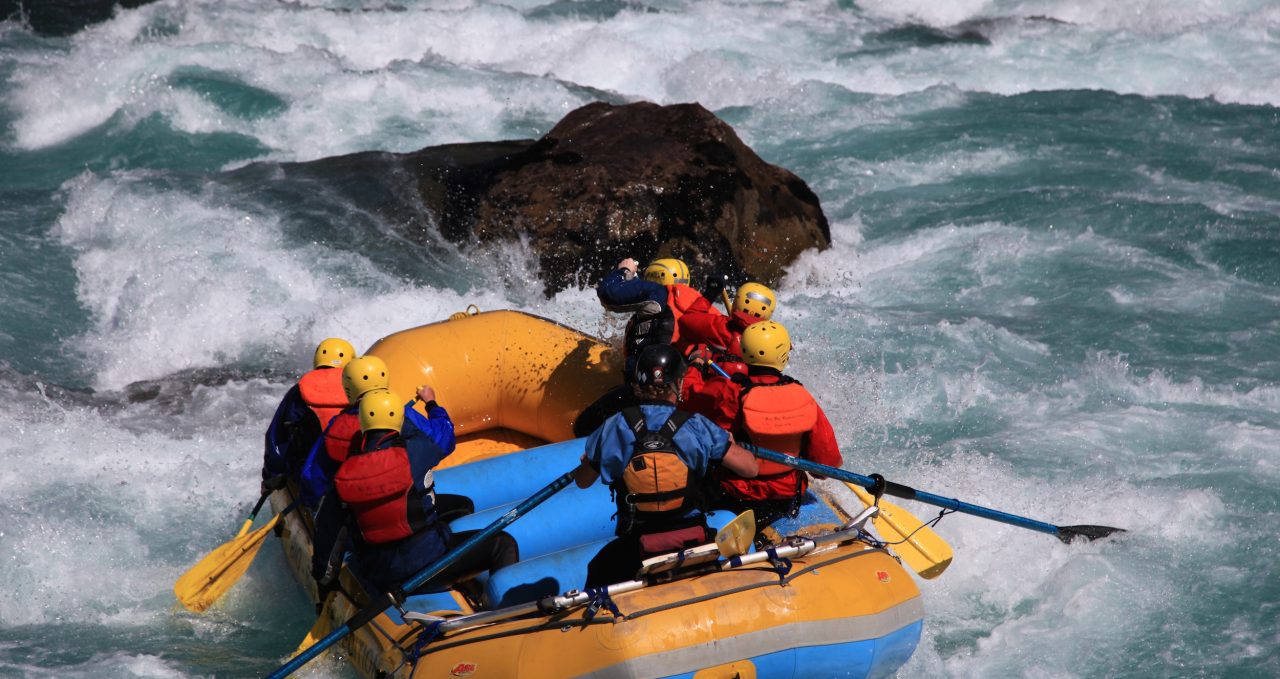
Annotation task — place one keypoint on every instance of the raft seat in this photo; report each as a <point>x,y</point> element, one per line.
<point>572,517</point>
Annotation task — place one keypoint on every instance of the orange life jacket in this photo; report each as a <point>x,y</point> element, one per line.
<point>778,417</point>
<point>321,390</point>
<point>657,491</point>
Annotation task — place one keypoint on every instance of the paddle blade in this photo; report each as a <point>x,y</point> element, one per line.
<point>925,552</point>
<point>206,582</point>
<point>1067,534</point>
<point>736,536</point>
<point>318,631</point>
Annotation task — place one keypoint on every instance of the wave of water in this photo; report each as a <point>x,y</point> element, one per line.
<point>1052,290</point>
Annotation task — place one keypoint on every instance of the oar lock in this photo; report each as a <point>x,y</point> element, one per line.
<point>877,489</point>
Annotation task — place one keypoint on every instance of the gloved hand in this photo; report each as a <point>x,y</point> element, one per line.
<point>274,483</point>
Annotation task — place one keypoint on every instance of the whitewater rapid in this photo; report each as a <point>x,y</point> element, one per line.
<point>1052,289</point>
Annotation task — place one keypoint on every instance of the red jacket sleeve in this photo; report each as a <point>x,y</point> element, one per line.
<point>715,398</point>
<point>823,447</point>
<point>705,328</point>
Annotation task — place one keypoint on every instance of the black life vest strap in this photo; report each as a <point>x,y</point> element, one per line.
<point>634,418</point>
<point>691,493</point>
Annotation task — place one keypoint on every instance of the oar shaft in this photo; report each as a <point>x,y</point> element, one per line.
<point>906,492</point>
<point>244,528</point>
<point>382,602</point>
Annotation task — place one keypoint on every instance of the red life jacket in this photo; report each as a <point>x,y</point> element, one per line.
<point>779,417</point>
<point>344,428</point>
<point>321,390</point>
<point>378,486</point>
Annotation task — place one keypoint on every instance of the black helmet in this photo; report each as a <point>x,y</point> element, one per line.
<point>658,365</point>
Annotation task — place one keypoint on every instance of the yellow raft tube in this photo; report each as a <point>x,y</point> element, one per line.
<point>825,603</point>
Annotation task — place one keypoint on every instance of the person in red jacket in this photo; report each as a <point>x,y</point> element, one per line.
<point>722,335</point>
<point>304,413</point>
<point>778,413</point>
<point>716,338</point>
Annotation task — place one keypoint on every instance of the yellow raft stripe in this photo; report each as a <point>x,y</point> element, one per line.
<point>766,641</point>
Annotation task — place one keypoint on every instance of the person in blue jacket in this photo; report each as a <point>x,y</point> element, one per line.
<point>360,376</point>
<point>655,458</point>
<point>304,413</point>
<point>656,301</point>
<point>383,501</point>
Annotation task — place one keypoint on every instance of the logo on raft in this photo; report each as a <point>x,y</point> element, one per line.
<point>883,576</point>
<point>463,669</point>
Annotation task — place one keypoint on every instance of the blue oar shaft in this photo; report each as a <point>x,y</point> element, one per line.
<point>382,602</point>
<point>905,492</point>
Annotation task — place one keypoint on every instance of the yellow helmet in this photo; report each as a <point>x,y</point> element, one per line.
<point>755,299</point>
<point>667,271</point>
<point>333,352</point>
<point>362,375</point>
<point>766,343</point>
<point>381,409</point>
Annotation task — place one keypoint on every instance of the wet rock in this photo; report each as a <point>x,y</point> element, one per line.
<point>611,181</point>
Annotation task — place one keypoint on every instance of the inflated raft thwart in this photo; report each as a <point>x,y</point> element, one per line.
<point>828,604</point>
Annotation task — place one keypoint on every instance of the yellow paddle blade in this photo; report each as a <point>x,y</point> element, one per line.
<point>736,536</point>
<point>318,631</point>
<point>206,582</point>
<point>925,551</point>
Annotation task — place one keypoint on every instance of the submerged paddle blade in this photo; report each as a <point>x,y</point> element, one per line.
<point>924,551</point>
<point>206,582</point>
<point>318,631</point>
<point>736,536</point>
<point>1067,534</point>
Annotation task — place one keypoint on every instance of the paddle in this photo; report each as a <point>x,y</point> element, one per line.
<point>1063,533</point>
<point>206,582</point>
<point>923,550</point>
<point>381,602</point>
<point>244,528</point>
<point>736,536</point>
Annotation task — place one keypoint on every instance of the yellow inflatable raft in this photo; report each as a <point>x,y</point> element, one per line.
<point>826,601</point>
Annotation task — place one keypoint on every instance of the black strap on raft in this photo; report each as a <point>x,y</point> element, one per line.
<point>781,564</point>
<point>430,632</point>
<point>600,599</point>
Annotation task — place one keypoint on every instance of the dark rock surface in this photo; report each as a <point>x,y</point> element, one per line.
<point>607,182</point>
<point>62,17</point>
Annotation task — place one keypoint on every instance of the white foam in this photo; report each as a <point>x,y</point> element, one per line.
<point>400,79</point>
<point>242,289</point>
<point>106,505</point>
